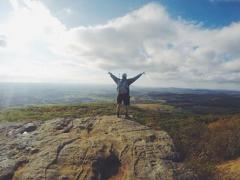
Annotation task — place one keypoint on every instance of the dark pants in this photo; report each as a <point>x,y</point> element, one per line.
<point>123,98</point>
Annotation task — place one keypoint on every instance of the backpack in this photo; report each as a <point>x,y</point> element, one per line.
<point>122,86</point>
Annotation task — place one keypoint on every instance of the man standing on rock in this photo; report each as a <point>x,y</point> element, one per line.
<point>123,90</point>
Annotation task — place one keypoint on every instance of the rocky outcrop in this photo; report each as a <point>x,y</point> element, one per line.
<point>87,148</point>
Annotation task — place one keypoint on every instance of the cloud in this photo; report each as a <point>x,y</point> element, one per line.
<point>171,51</point>
<point>148,39</point>
<point>29,33</point>
<point>3,42</point>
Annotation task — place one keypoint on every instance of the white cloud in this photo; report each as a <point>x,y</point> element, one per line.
<point>3,42</point>
<point>173,52</point>
<point>148,39</point>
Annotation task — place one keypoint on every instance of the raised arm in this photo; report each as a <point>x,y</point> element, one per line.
<point>132,80</point>
<point>115,79</point>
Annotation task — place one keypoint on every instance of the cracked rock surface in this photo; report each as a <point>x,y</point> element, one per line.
<point>102,147</point>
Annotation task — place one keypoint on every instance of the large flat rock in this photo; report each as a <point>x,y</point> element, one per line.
<point>103,147</point>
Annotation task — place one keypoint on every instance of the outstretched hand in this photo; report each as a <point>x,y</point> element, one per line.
<point>109,73</point>
<point>143,73</point>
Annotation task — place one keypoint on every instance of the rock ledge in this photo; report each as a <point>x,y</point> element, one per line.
<point>87,148</point>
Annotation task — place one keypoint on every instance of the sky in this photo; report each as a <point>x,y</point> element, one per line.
<point>187,43</point>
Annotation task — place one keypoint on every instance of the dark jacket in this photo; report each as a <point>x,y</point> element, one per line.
<point>129,81</point>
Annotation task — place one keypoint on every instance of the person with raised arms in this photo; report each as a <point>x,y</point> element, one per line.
<point>123,91</point>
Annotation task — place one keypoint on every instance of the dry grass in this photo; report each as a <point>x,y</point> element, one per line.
<point>153,106</point>
<point>225,123</point>
<point>228,170</point>
<point>222,140</point>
